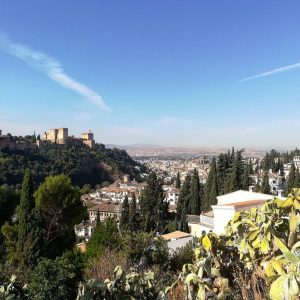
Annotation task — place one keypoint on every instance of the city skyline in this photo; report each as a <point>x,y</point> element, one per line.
<point>197,74</point>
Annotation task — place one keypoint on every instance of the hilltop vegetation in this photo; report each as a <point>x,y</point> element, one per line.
<point>82,164</point>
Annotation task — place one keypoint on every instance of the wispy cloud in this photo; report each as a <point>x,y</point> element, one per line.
<point>274,71</point>
<point>52,68</point>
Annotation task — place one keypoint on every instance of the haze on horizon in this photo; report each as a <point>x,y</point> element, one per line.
<point>168,73</point>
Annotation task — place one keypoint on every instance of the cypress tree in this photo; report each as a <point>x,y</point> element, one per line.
<point>291,179</point>
<point>178,182</point>
<point>211,189</point>
<point>124,219</point>
<point>30,232</point>
<point>183,225</point>
<point>162,207</point>
<point>194,205</point>
<point>297,179</point>
<point>221,171</point>
<point>232,157</point>
<point>246,178</point>
<point>133,217</point>
<point>250,167</point>
<point>153,208</point>
<point>27,204</point>
<point>184,196</point>
<point>234,182</point>
<point>265,187</point>
<point>280,167</point>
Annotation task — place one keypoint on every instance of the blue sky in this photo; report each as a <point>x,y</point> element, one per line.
<point>161,72</point>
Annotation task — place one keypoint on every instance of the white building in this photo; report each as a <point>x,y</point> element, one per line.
<point>85,229</point>
<point>177,239</point>
<point>296,161</point>
<point>227,205</point>
<point>172,196</point>
<point>275,182</point>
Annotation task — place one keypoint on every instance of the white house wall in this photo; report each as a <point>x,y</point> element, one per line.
<point>221,217</point>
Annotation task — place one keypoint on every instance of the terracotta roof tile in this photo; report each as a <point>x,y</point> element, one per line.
<point>175,235</point>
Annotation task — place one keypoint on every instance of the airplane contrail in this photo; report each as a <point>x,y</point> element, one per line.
<point>274,71</point>
<point>49,66</point>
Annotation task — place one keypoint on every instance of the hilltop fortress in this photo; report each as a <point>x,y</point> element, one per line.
<point>8,143</point>
<point>60,136</point>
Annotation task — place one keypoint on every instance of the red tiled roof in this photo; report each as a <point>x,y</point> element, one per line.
<point>175,235</point>
<point>107,206</point>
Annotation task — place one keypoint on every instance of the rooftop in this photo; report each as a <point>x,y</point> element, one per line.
<point>175,235</point>
<point>107,206</point>
<point>193,219</point>
<point>245,203</point>
<point>243,196</point>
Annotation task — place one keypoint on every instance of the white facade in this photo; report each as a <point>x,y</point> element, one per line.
<point>177,239</point>
<point>84,229</point>
<point>227,205</point>
<point>175,244</point>
<point>296,161</point>
<point>173,196</point>
<point>275,181</point>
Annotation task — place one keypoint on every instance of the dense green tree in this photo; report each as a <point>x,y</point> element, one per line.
<point>153,208</point>
<point>183,255</point>
<point>61,208</point>
<point>195,201</point>
<point>25,208</point>
<point>183,225</point>
<point>144,249</point>
<point>184,196</point>
<point>105,235</point>
<point>297,179</point>
<point>82,164</point>
<point>178,182</point>
<point>9,199</point>
<point>53,279</point>
<point>233,182</point>
<point>25,239</point>
<point>125,218</point>
<point>265,186</point>
<point>291,178</point>
<point>133,214</point>
<point>280,167</point>
<point>183,203</point>
<point>223,164</point>
<point>211,189</point>
<point>246,182</point>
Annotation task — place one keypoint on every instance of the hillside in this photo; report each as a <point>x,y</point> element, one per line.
<point>83,165</point>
